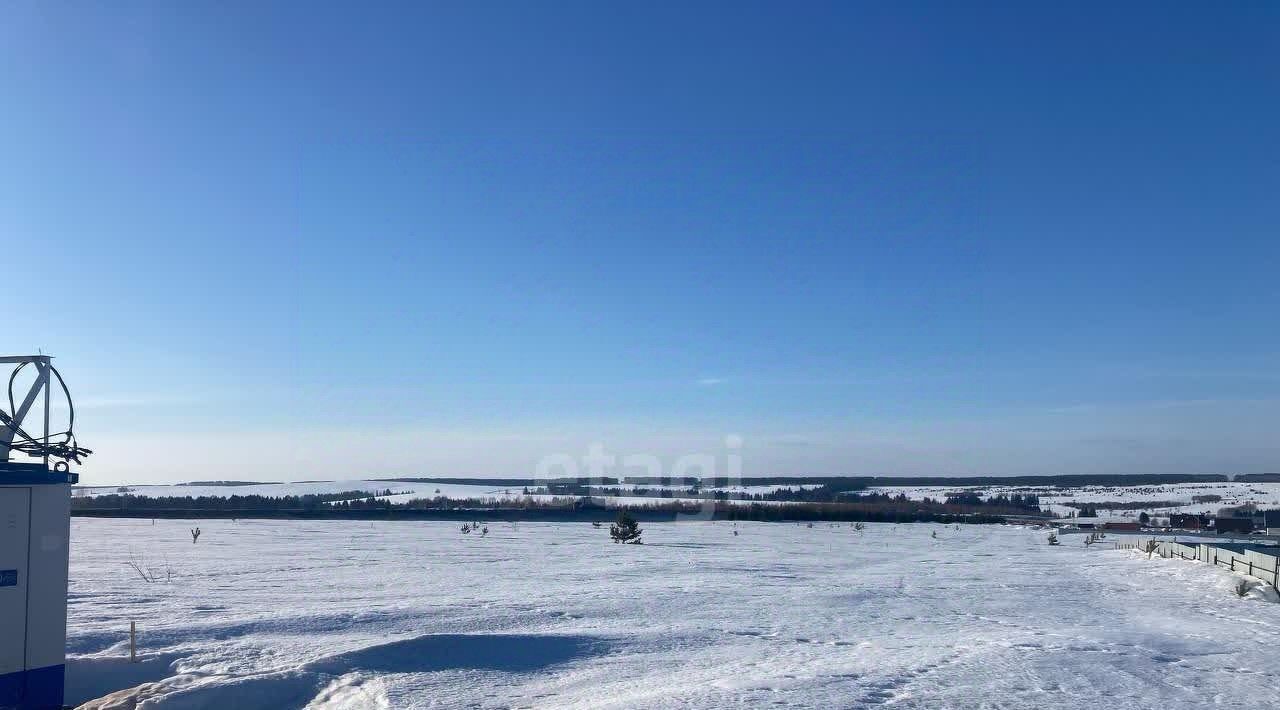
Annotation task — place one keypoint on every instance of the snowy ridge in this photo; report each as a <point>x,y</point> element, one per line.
<point>1264,495</point>
<point>403,492</point>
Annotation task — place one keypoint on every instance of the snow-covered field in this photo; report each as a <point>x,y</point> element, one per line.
<point>330,614</point>
<point>1264,495</point>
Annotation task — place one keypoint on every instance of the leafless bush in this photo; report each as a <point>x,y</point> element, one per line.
<point>148,573</point>
<point>1242,588</point>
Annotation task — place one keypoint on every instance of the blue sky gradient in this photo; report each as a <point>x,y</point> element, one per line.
<point>301,241</point>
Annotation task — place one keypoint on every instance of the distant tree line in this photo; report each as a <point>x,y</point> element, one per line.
<point>815,494</point>
<point>853,483</point>
<point>826,493</point>
<point>1026,502</point>
<point>872,507</point>
<point>507,482</point>
<point>235,502</point>
<point>232,483</point>
<point>859,482</point>
<point>1090,509</point>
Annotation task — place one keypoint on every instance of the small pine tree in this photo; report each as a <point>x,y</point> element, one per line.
<point>626,530</point>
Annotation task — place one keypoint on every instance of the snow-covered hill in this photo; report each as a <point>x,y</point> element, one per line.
<point>1265,495</point>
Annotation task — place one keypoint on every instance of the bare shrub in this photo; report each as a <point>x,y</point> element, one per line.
<point>148,573</point>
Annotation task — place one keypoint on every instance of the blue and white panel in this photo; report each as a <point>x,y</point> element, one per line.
<point>47,603</point>
<point>34,532</point>
<point>15,506</point>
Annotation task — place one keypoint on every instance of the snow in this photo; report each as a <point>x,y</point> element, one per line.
<point>1265,495</point>
<point>343,614</point>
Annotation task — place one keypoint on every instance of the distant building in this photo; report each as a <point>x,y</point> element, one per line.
<point>1233,525</point>
<point>1238,511</point>
<point>1186,521</point>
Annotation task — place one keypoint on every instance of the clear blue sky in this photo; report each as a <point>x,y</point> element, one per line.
<point>272,240</point>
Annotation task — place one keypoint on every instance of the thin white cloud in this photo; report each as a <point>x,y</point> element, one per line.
<point>146,400</point>
<point>710,381</point>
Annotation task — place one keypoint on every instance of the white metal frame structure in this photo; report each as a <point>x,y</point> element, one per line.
<point>10,423</point>
<point>35,510</point>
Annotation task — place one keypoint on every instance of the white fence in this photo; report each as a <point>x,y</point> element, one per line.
<point>1261,564</point>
